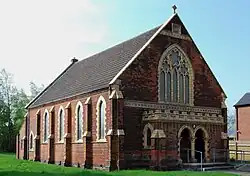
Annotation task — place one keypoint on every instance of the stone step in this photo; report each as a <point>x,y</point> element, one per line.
<point>218,168</point>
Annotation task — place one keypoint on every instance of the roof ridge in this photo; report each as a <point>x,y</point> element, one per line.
<point>79,78</point>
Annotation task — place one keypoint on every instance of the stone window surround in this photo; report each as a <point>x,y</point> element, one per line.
<point>79,103</point>
<point>63,112</point>
<point>145,137</point>
<point>45,112</point>
<point>101,99</point>
<point>191,73</point>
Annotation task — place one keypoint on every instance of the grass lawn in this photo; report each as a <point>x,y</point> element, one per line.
<point>9,166</point>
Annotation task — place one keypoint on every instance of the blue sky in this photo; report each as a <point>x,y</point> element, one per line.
<point>219,28</point>
<point>42,37</point>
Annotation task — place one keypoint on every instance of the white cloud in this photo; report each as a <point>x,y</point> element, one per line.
<point>38,38</point>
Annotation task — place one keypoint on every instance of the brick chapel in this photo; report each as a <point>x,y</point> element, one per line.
<point>154,92</point>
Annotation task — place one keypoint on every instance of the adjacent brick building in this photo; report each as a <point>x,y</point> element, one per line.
<point>240,144</point>
<point>152,93</point>
<point>242,118</point>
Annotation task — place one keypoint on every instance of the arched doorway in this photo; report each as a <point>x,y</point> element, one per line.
<point>199,145</point>
<point>185,145</point>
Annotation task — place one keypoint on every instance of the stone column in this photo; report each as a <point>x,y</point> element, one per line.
<point>207,156</point>
<point>67,136</point>
<point>193,149</point>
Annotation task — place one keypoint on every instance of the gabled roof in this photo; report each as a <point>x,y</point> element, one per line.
<point>92,73</point>
<point>98,71</point>
<point>244,101</point>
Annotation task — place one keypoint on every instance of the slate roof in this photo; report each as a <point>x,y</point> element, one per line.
<point>92,73</point>
<point>244,101</point>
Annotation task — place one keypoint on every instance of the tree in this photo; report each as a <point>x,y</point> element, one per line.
<point>20,100</point>
<point>8,92</point>
<point>3,126</point>
<point>12,109</point>
<point>35,90</point>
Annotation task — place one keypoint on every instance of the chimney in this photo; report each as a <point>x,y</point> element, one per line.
<point>74,60</point>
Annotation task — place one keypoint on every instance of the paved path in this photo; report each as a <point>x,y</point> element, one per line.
<point>240,173</point>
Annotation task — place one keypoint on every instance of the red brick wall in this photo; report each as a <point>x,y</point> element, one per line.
<point>22,134</point>
<point>133,128</point>
<point>100,150</point>
<point>243,123</point>
<point>44,152</point>
<point>139,81</point>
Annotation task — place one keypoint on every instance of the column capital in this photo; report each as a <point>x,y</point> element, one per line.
<point>192,139</point>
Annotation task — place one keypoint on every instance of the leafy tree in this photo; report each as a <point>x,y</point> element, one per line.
<point>8,92</point>
<point>20,100</point>
<point>3,126</point>
<point>12,109</point>
<point>35,90</point>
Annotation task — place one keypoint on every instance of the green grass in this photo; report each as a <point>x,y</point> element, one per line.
<point>10,166</point>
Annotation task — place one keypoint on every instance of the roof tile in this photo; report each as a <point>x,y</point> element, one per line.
<point>93,73</point>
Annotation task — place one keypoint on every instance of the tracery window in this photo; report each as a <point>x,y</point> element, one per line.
<point>174,76</point>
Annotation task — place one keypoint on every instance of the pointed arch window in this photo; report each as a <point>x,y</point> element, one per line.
<point>147,133</point>
<point>46,126</point>
<point>175,71</point>
<point>101,119</point>
<point>79,122</point>
<point>31,141</point>
<point>61,124</point>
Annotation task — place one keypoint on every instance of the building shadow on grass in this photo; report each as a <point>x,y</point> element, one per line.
<point>42,173</point>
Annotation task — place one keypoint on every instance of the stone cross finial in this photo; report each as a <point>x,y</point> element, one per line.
<point>174,7</point>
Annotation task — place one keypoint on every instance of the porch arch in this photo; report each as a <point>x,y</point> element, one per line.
<point>204,131</point>
<point>185,136</point>
<point>201,137</point>
<point>183,128</point>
